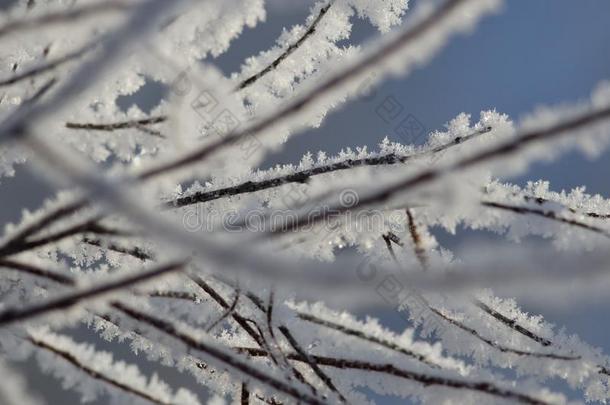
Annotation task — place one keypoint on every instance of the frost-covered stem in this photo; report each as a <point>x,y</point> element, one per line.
<point>91,226</point>
<point>259,337</point>
<point>64,16</point>
<point>94,374</point>
<point>366,337</point>
<point>304,175</point>
<point>136,251</point>
<point>244,394</point>
<point>425,379</point>
<point>178,295</point>
<point>199,197</point>
<point>497,346</point>
<point>37,70</point>
<point>549,214</point>
<point>67,301</point>
<point>293,47</point>
<point>512,324</point>
<point>321,90</point>
<point>37,271</point>
<point>430,175</point>
<point>241,321</point>
<point>541,201</point>
<point>48,219</point>
<point>219,355</point>
<point>317,370</point>
<point>226,314</point>
<point>420,251</point>
<point>113,126</point>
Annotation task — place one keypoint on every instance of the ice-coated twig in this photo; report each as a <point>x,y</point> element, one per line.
<point>293,47</point>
